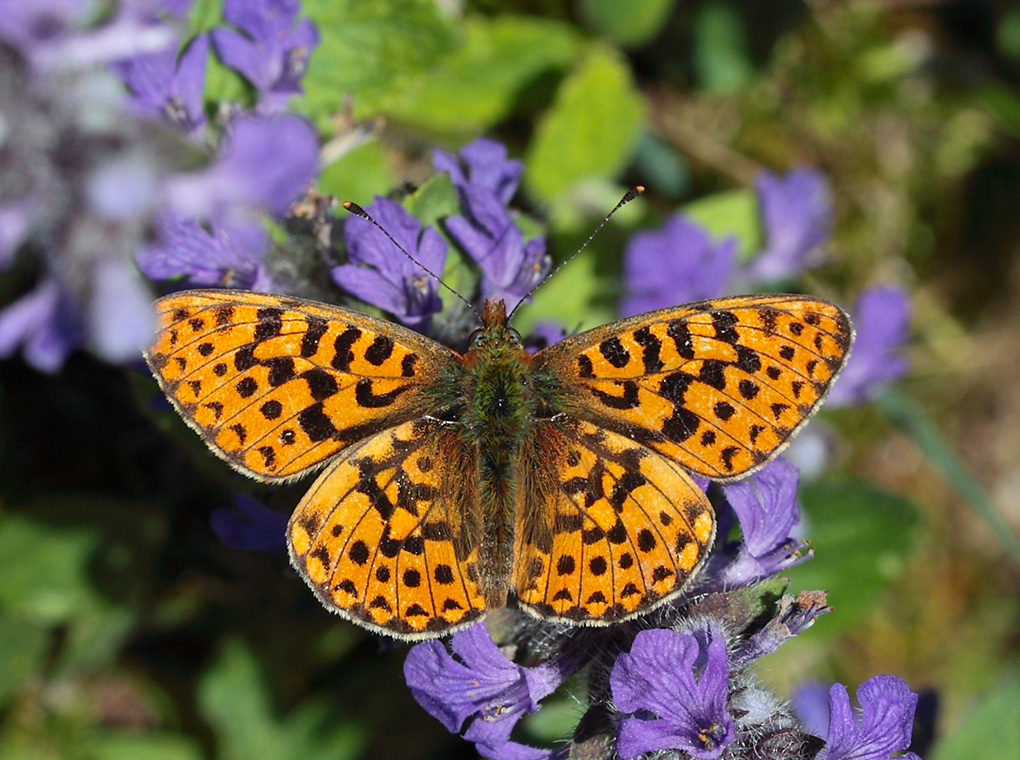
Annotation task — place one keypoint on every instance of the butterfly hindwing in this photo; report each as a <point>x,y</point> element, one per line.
<point>277,385</point>
<point>719,386</point>
<point>608,528</point>
<point>385,537</point>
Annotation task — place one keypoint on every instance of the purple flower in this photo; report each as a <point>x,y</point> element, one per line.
<point>675,688</point>
<point>796,212</point>
<point>53,34</point>
<point>382,276</point>
<point>677,264</point>
<point>121,320</point>
<point>479,682</point>
<point>272,53</point>
<point>256,528</point>
<point>887,707</point>
<point>793,617</point>
<point>220,256</point>
<point>766,507</point>
<point>43,324</point>
<point>482,163</point>
<point>16,220</point>
<point>882,319</point>
<point>265,165</point>
<point>166,87</point>
<point>510,267</point>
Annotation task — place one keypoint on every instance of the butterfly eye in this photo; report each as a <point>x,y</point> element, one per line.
<point>477,338</point>
<point>515,337</point>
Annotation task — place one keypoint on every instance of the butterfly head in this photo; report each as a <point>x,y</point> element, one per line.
<point>495,334</point>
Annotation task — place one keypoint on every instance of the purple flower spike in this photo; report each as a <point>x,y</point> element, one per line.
<point>43,324</point>
<point>766,507</point>
<point>266,164</point>
<point>272,53</point>
<point>482,163</point>
<point>167,88</point>
<point>883,326</point>
<point>380,275</point>
<point>888,707</point>
<point>223,257</point>
<point>796,212</point>
<point>682,683</point>
<point>256,528</point>
<point>678,264</point>
<point>510,267</point>
<point>479,681</point>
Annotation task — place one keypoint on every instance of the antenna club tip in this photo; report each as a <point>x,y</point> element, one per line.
<point>354,208</point>
<point>639,189</point>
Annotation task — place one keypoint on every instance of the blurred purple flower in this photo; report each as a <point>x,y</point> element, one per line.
<point>54,34</point>
<point>882,319</point>
<point>167,87</point>
<point>43,324</point>
<point>510,267</point>
<point>380,275</point>
<point>766,508</point>
<point>542,335</point>
<point>482,163</point>
<point>675,687</point>
<point>16,220</point>
<point>479,682</point>
<point>675,265</point>
<point>796,212</point>
<point>121,319</point>
<point>220,255</point>
<point>884,730</point>
<point>272,53</point>
<point>250,527</point>
<point>265,165</point>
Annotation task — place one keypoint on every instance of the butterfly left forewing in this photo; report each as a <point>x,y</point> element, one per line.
<point>607,528</point>
<point>387,536</point>
<point>277,385</point>
<point>719,386</point>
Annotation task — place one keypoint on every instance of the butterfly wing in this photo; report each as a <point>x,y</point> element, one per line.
<point>609,528</point>
<point>277,385</point>
<point>388,534</point>
<point>719,386</point>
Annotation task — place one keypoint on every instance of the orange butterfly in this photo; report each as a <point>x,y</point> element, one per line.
<point>452,482</point>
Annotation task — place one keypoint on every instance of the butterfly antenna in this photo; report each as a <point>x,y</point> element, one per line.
<point>630,195</point>
<point>357,210</point>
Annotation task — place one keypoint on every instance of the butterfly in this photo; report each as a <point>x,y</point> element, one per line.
<point>452,483</point>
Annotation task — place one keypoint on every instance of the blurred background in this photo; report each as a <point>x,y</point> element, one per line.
<point>128,630</point>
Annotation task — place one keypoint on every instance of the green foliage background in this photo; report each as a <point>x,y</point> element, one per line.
<point>128,632</point>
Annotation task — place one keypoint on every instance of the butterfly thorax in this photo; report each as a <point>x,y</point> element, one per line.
<point>498,407</point>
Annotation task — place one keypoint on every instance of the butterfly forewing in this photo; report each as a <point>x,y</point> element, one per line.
<point>610,529</point>
<point>277,385</point>
<point>719,387</point>
<point>384,535</point>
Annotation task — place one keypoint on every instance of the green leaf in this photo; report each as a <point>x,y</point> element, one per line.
<point>485,80</point>
<point>23,650</point>
<point>234,699</point>
<point>359,176</point>
<point>862,537</point>
<point>369,48</point>
<point>993,726</point>
<point>626,24</point>
<point>591,130</point>
<point>722,59</point>
<point>119,745</point>
<point>574,299</point>
<point>731,214</point>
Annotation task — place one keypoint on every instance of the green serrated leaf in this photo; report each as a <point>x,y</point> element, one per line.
<point>990,732</point>
<point>367,50</point>
<point>591,130</point>
<point>730,214</point>
<point>862,537</point>
<point>485,80</point>
<point>626,24</point>
<point>234,699</point>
